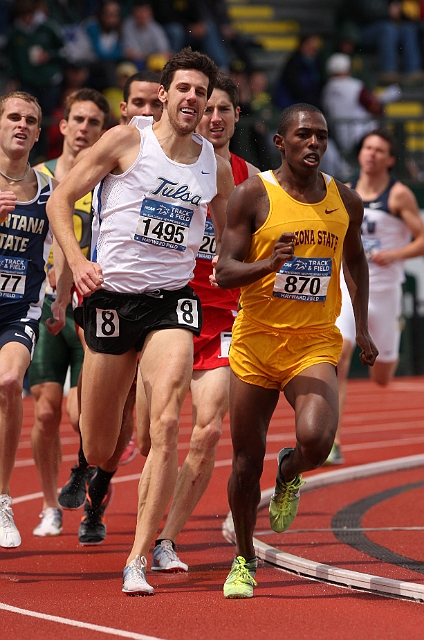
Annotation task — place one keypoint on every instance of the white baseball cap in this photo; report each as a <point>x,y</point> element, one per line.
<point>338,63</point>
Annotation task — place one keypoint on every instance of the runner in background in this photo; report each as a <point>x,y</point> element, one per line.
<point>25,245</point>
<point>392,232</point>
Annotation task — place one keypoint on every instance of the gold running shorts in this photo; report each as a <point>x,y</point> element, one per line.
<point>270,358</point>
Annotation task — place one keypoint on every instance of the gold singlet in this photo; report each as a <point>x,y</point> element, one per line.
<point>305,294</point>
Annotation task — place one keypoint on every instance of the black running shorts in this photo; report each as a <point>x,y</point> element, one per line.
<point>117,322</point>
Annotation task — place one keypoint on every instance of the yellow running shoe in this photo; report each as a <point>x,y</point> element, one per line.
<point>241,579</point>
<point>285,501</point>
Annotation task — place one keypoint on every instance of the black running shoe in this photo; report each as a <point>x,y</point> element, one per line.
<point>92,529</point>
<point>72,495</point>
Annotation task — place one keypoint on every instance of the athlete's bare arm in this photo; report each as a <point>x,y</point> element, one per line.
<point>403,204</point>
<point>115,152</point>
<point>225,186</point>
<point>251,170</point>
<point>355,269</point>
<point>63,276</point>
<point>247,210</point>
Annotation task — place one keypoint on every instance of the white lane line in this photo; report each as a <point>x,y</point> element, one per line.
<point>76,623</point>
<point>361,446</point>
<point>269,532</point>
<point>344,577</point>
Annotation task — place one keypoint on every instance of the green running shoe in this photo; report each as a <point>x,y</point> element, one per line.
<point>241,579</point>
<point>335,456</point>
<point>285,501</point>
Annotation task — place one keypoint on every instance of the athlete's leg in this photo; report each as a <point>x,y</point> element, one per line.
<point>166,366</point>
<point>210,394</point>
<point>127,427</point>
<point>383,372</point>
<point>142,417</point>
<point>45,438</point>
<point>385,326</point>
<point>14,361</point>
<point>72,407</point>
<point>106,381</point>
<point>343,367</point>
<point>251,408</point>
<point>313,394</point>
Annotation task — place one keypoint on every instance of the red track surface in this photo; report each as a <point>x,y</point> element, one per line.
<point>57,577</point>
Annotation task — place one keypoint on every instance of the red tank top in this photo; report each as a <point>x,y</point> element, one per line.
<point>212,296</point>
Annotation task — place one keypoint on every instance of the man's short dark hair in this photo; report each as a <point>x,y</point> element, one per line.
<point>386,135</point>
<point>227,84</point>
<point>22,95</point>
<point>140,76</point>
<point>287,116</point>
<point>88,95</point>
<point>188,59</point>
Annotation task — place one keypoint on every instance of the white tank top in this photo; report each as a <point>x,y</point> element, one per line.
<point>149,221</point>
<point>383,231</point>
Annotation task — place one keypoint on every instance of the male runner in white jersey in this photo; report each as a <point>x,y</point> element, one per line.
<point>392,231</point>
<point>25,241</point>
<point>156,183</point>
<point>140,98</point>
<point>85,119</point>
<point>211,371</point>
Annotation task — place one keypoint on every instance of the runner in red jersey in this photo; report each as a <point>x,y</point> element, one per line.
<point>211,374</point>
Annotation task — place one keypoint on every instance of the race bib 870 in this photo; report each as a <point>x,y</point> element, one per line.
<point>304,279</point>
<point>164,225</point>
<point>13,272</point>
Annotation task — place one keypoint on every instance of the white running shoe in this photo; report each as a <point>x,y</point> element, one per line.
<point>135,582</point>
<point>51,523</point>
<point>9,534</point>
<point>165,559</point>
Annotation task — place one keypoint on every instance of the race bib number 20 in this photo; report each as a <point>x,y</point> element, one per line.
<point>304,279</point>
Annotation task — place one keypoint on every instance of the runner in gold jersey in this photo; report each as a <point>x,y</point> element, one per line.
<point>286,233</point>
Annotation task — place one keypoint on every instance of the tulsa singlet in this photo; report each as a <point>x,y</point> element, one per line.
<point>286,322</point>
<point>147,229</point>
<point>381,231</point>
<point>152,217</point>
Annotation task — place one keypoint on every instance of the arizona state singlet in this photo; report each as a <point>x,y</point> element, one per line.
<point>305,293</point>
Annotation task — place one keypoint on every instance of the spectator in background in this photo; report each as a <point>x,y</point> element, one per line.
<point>142,36</point>
<point>351,109</point>
<point>34,55</point>
<point>215,15</point>
<point>251,138</point>
<point>75,77</point>
<point>115,95</point>
<point>104,32</point>
<point>301,79</point>
<point>345,97</point>
<point>185,23</point>
<point>384,26</point>
<point>6,7</point>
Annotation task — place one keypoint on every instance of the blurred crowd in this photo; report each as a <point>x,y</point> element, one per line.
<point>52,48</point>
